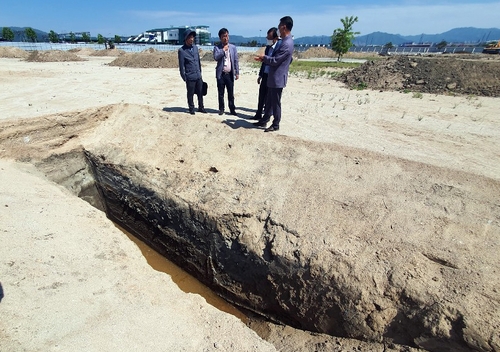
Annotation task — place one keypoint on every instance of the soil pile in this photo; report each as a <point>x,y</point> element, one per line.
<point>82,51</point>
<point>206,56</point>
<point>248,57</point>
<point>13,53</point>
<point>151,58</point>
<point>317,52</point>
<point>52,56</point>
<point>110,52</point>
<point>147,60</point>
<point>440,75</point>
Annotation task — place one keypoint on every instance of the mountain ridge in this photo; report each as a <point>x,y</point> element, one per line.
<point>461,35</point>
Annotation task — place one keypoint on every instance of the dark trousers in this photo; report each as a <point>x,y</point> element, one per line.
<point>226,82</point>
<point>262,96</point>
<point>273,106</point>
<point>194,87</point>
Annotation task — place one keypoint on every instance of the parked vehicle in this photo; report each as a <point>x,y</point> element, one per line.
<point>492,48</point>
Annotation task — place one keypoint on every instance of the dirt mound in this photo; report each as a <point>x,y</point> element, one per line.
<point>13,53</point>
<point>52,56</point>
<point>150,50</point>
<point>82,51</point>
<point>316,52</point>
<point>110,52</point>
<point>249,56</point>
<point>207,56</point>
<point>147,60</point>
<point>440,75</point>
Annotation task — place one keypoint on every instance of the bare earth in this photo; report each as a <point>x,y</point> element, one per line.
<point>72,281</point>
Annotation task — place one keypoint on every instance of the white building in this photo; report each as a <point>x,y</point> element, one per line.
<point>172,35</point>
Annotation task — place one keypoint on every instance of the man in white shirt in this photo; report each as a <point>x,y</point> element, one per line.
<point>226,71</point>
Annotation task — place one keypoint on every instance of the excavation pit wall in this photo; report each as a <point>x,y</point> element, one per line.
<point>210,249</point>
<point>329,297</point>
<point>319,236</point>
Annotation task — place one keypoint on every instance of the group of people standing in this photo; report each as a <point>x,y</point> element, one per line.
<point>272,79</point>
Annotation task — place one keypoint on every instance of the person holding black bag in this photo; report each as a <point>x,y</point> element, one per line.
<point>190,70</point>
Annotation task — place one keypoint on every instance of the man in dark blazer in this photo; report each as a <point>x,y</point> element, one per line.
<point>279,63</point>
<point>272,39</point>
<point>190,70</point>
<point>226,71</point>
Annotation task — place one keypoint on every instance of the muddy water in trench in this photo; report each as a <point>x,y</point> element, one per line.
<point>182,279</point>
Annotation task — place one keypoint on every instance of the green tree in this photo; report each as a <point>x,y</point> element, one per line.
<point>30,34</point>
<point>342,37</point>
<point>72,37</point>
<point>7,34</point>
<point>386,48</point>
<point>85,37</point>
<point>118,39</point>
<point>442,44</point>
<point>53,37</point>
<point>100,39</point>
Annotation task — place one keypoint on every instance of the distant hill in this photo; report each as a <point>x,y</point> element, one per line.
<point>380,38</point>
<point>20,35</point>
<point>465,35</point>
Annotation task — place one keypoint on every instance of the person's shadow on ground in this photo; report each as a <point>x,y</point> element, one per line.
<point>239,123</point>
<point>174,109</point>
<point>186,110</point>
<point>245,120</point>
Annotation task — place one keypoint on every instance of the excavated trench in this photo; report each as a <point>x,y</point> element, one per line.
<point>294,293</point>
<point>74,172</point>
<point>194,242</point>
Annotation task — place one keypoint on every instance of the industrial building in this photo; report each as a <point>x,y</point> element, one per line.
<point>171,35</point>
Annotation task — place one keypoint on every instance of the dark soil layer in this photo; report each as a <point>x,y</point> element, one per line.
<point>465,75</point>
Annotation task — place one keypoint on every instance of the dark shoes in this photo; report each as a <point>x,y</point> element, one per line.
<point>256,117</point>
<point>191,111</point>
<point>271,129</point>
<point>221,112</point>
<point>202,110</point>
<point>234,113</point>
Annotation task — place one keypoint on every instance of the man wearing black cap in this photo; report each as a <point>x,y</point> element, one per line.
<point>190,70</point>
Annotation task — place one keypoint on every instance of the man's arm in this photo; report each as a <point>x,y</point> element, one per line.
<point>283,53</point>
<point>198,56</point>
<point>218,53</point>
<point>236,63</point>
<point>180,55</point>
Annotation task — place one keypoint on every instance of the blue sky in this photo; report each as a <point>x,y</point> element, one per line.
<point>313,17</point>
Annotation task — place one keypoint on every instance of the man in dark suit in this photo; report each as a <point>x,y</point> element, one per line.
<point>272,39</point>
<point>190,70</point>
<point>226,71</point>
<point>279,63</point>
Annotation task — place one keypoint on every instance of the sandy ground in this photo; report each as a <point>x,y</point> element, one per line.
<point>73,282</point>
<point>454,132</point>
<point>459,132</point>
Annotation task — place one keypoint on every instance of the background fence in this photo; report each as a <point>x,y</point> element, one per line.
<point>124,46</point>
<point>166,47</point>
